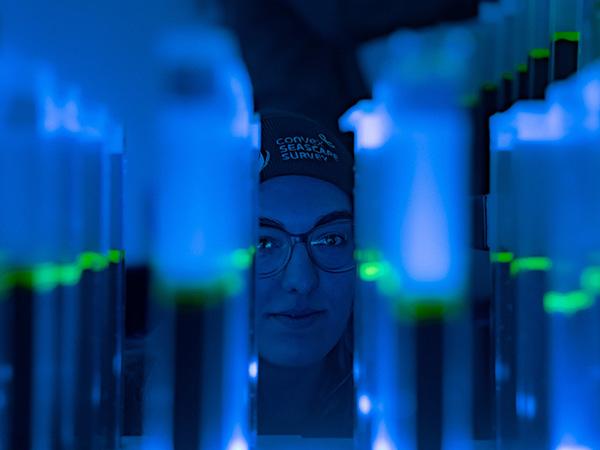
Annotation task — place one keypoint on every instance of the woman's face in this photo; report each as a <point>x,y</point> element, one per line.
<point>302,310</point>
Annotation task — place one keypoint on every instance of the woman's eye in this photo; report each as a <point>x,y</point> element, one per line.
<point>265,243</point>
<point>330,240</point>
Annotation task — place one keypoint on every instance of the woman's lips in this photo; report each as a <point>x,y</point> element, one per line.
<point>297,319</point>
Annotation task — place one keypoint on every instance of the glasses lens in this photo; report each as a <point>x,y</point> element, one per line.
<point>332,246</point>
<point>271,251</point>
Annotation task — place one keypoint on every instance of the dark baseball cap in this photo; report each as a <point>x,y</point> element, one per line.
<point>292,144</point>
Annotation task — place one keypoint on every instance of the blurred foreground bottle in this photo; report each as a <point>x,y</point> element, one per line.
<point>199,362</point>
<point>413,359</point>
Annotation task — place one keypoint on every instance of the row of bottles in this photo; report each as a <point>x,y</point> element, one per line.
<point>61,267</point>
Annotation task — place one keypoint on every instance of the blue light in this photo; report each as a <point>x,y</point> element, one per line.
<point>526,405</point>
<point>547,126</point>
<point>502,371</point>
<point>373,126</point>
<point>505,141</point>
<point>572,446</point>
<point>156,443</point>
<point>241,125</point>
<point>591,97</point>
<point>425,239</point>
<point>61,117</point>
<point>382,439</point>
<point>253,370</point>
<point>237,442</point>
<point>364,404</point>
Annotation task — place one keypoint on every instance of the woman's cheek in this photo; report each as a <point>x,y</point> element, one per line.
<point>263,286</point>
<point>340,291</point>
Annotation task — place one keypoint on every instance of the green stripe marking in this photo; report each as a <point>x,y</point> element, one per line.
<point>69,275</point>
<point>567,302</point>
<point>116,256</point>
<point>571,36</point>
<point>48,276</point>
<point>522,68</point>
<point>534,263</point>
<point>93,261</point>
<point>539,53</point>
<point>508,76</point>
<point>501,257</point>
<point>429,309</point>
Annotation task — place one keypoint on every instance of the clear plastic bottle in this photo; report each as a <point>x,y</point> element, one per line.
<point>411,227</point>
<point>552,183</point>
<point>199,354</point>
<point>501,240</point>
<point>571,301</point>
<point>54,235</point>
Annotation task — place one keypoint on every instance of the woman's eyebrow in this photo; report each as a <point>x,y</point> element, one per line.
<point>270,222</point>
<point>335,215</point>
<point>329,217</point>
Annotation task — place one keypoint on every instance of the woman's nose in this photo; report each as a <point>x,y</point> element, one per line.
<point>300,275</point>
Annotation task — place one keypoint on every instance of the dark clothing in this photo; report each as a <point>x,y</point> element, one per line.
<point>335,417</point>
<point>301,54</point>
<point>331,414</point>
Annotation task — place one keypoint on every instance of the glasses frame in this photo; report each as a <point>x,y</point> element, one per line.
<point>297,238</point>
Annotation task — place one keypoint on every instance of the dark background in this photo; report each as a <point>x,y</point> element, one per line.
<point>301,54</point>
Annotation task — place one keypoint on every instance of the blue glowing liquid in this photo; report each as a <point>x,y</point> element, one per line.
<point>411,228</point>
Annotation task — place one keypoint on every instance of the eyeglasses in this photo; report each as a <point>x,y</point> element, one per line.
<point>330,247</point>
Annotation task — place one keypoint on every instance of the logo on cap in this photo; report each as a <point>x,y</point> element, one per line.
<point>264,158</point>
<point>301,147</point>
<point>324,139</point>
